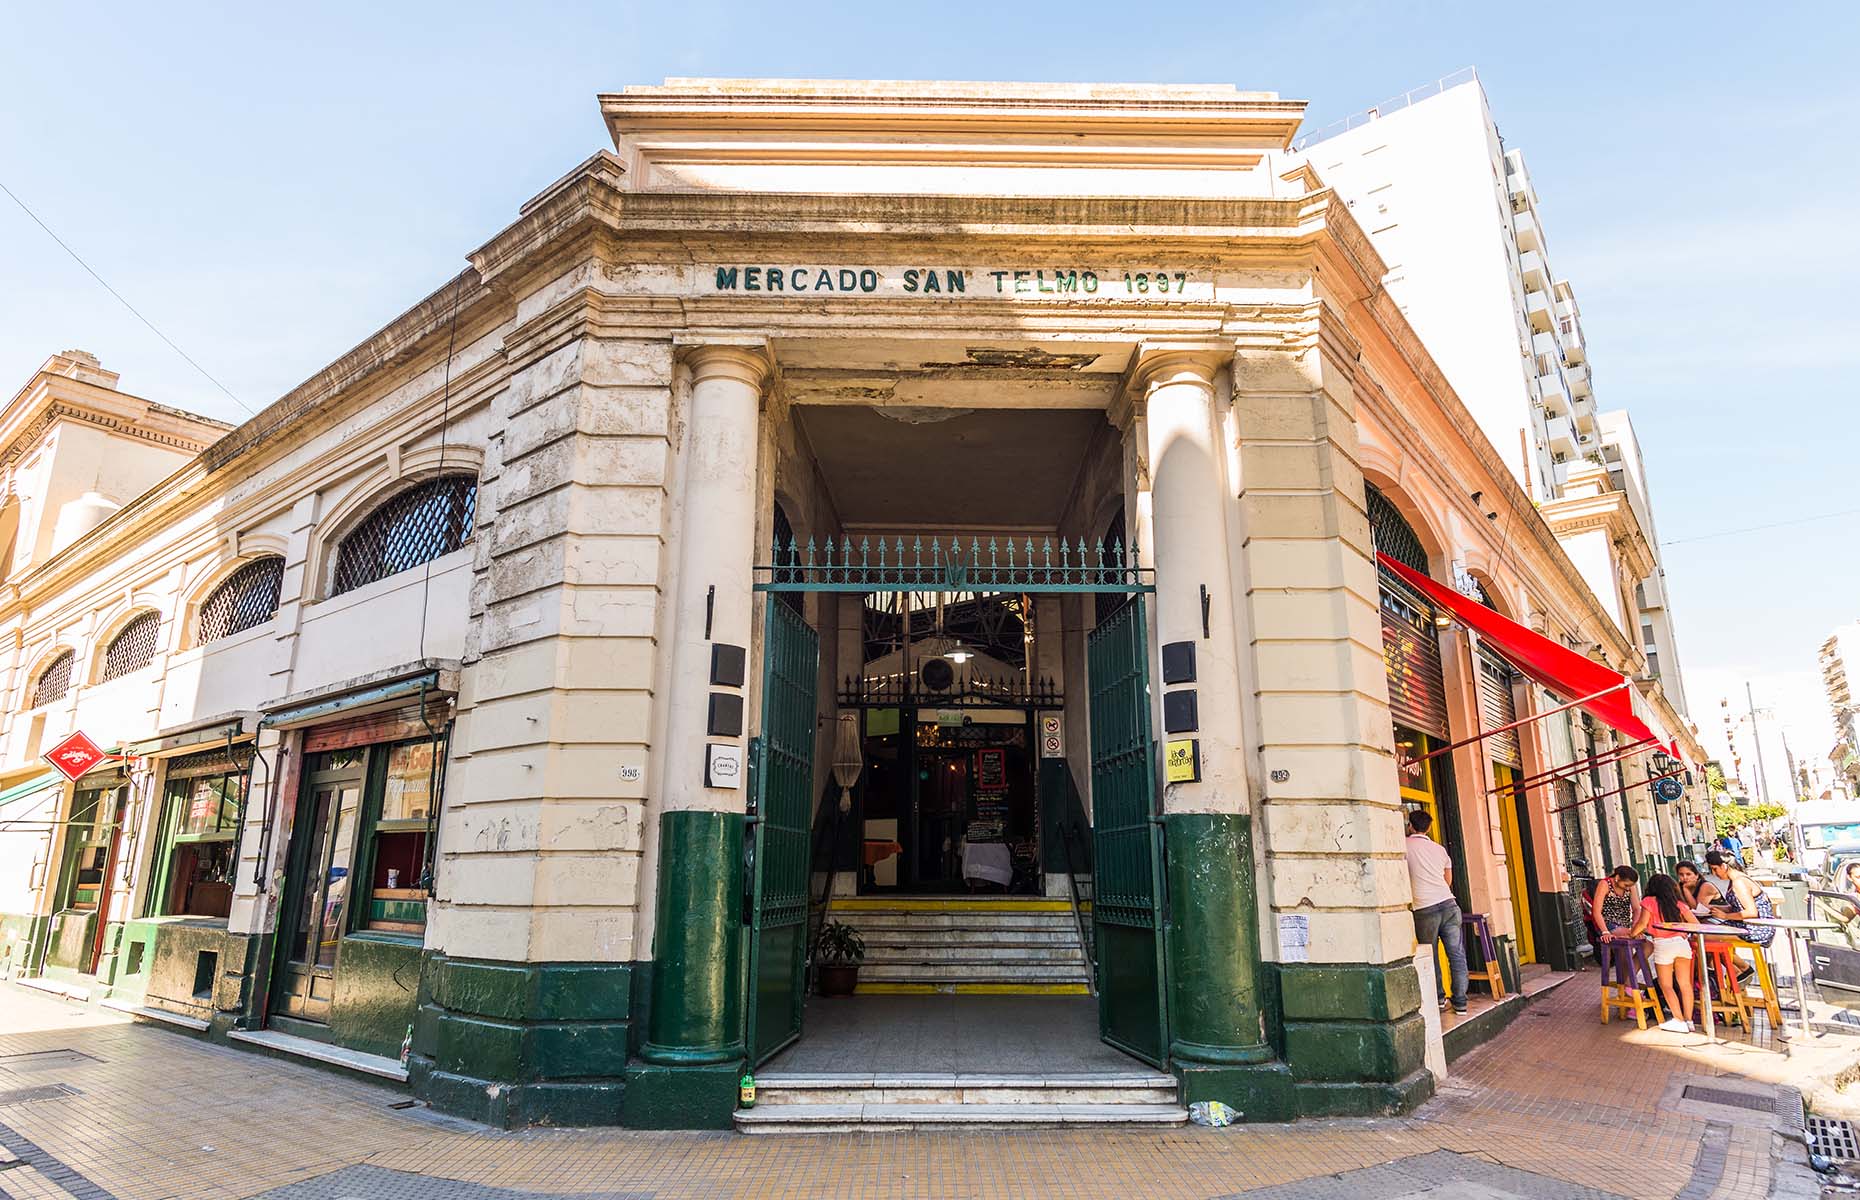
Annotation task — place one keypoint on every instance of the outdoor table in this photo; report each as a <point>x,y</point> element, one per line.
<point>1789,929</point>
<point>1699,933</point>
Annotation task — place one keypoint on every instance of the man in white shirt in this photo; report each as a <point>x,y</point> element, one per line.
<point>1436,912</point>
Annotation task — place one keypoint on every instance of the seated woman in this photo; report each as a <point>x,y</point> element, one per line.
<point>1613,908</point>
<point>1740,900</point>
<point>1849,881</point>
<point>1695,889</point>
<point>1663,905</point>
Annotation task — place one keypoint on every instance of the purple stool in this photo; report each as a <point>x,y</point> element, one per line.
<point>1628,982</point>
<point>1475,926</point>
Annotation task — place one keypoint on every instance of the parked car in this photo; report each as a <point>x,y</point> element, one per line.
<point>1834,954</point>
<point>1836,858</point>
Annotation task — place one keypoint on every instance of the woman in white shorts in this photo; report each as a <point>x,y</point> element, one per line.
<point>1663,905</point>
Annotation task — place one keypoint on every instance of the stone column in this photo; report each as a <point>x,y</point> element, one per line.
<point>1348,1019</point>
<point>1216,1036</point>
<point>694,1044</point>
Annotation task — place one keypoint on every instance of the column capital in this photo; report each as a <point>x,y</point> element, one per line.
<point>1157,363</point>
<point>747,359</point>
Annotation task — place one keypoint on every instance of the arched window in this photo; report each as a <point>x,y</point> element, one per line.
<point>1391,532</point>
<point>55,680</point>
<point>411,527</point>
<point>247,598</point>
<point>133,648</point>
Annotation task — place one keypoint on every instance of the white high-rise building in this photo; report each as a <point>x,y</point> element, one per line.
<point>1627,470</point>
<point>1456,220</point>
<point>1840,671</point>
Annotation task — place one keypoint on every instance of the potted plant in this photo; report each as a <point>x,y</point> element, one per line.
<point>838,952</point>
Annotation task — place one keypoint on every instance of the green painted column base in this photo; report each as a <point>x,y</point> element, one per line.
<point>1214,1012</point>
<point>518,1044</point>
<point>1262,1092</point>
<point>681,1097</point>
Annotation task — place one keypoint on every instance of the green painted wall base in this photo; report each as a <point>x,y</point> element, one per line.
<point>19,943</point>
<point>516,1044</point>
<point>1262,1092</point>
<point>1362,1099</point>
<point>160,965</point>
<point>681,1097</point>
<point>1352,1034</point>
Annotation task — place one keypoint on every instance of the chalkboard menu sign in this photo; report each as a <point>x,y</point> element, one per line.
<point>991,770</point>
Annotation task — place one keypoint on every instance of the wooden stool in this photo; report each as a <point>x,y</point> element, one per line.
<point>1635,988</point>
<point>1726,998</point>
<point>1474,925</point>
<point>1766,983</point>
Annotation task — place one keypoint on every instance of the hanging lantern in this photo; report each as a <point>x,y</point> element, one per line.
<point>848,758</point>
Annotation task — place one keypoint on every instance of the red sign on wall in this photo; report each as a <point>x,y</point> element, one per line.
<point>75,755</point>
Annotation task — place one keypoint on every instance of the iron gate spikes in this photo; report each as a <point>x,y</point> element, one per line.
<point>948,565</point>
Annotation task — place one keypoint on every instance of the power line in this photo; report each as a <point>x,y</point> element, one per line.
<point>1846,512</point>
<point>119,296</point>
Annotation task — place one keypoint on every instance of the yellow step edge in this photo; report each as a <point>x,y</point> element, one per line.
<point>972,989</point>
<point>881,904</point>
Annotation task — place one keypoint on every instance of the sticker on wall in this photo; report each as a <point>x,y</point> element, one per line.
<point>1294,937</point>
<point>1052,735</point>
<point>1182,760</point>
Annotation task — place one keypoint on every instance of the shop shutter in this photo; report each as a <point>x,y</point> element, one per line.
<point>386,725</point>
<point>1498,707</point>
<point>1411,651</point>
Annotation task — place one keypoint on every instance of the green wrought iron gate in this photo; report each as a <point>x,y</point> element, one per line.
<point>1128,882</point>
<point>1126,843</point>
<point>783,796</point>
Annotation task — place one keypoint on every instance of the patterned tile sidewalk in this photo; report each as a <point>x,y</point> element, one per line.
<point>1557,1106</point>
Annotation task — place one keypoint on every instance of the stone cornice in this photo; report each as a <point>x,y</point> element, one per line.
<point>1610,511</point>
<point>49,398</point>
<point>818,115</point>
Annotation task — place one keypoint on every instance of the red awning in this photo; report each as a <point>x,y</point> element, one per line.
<point>1551,664</point>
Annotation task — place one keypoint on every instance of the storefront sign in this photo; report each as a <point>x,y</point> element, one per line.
<point>75,755</point>
<point>723,767</point>
<point>1052,735</point>
<point>1665,791</point>
<point>1068,280</point>
<point>1182,760</point>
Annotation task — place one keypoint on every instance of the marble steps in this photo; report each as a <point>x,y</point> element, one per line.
<point>957,943</point>
<point>956,948</point>
<point>930,922</point>
<point>837,1103</point>
<point>972,971</point>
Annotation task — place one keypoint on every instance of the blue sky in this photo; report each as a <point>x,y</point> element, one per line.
<point>270,185</point>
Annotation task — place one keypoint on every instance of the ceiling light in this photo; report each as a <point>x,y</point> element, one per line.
<point>958,655</point>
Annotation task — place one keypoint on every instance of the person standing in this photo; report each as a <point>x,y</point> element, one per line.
<point>1663,905</point>
<point>1436,912</point>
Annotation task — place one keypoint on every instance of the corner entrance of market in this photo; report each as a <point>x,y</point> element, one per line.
<point>955,759</point>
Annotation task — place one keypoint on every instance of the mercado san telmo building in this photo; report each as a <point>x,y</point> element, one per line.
<point>953,506</point>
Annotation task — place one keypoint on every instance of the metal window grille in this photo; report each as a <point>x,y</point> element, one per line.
<point>1391,532</point>
<point>55,680</point>
<point>133,648</point>
<point>247,598</point>
<point>410,528</point>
